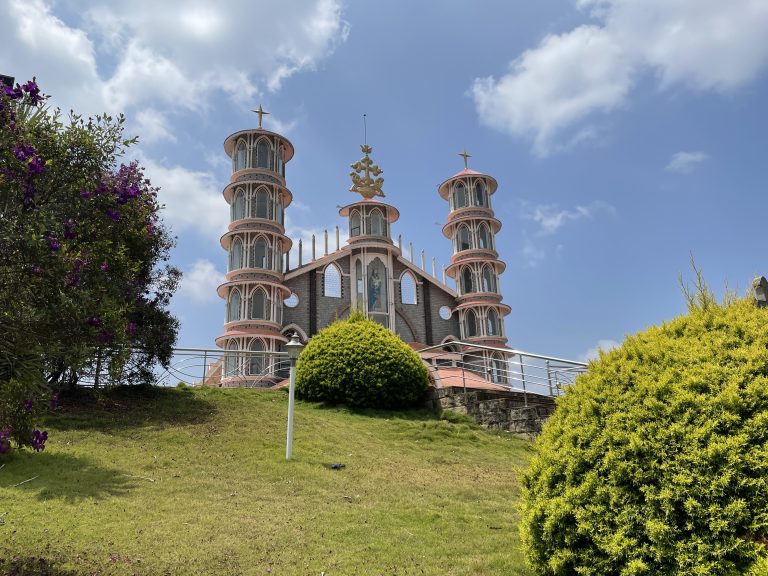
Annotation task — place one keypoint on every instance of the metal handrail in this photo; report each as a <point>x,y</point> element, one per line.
<point>521,371</point>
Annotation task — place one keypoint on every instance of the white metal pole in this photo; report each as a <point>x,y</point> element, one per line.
<point>291,391</point>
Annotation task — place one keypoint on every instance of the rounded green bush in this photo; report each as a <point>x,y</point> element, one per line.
<point>362,364</point>
<point>656,461</point>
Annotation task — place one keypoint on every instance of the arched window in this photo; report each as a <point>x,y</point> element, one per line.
<point>280,166</point>
<point>236,255</point>
<point>407,288</point>
<point>264,154</point>
<point>359,284</point>
<point>261,207</point>
<point>256,361</point>
<point>233,306</point>
<point>467,285</point>
<point>238,205</point>
<point>259,305</point>
<point>230,359</point>
<point>470,323</point>
<point>332,281</point>
<point>279,209</point>
<point>354,224</point>
<point>459,196</point>
<point>240,155</point>
<point>261,256</point>
<point>483,237</point>
<point>489,280</point>
<point>497,370</point>
<point>462,239</point>
<point>480,193</point>
<point>492,323</point>
<point>376,227</point>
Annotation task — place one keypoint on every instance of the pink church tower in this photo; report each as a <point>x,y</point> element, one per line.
<point>256,244</point>
<point>475,265</point>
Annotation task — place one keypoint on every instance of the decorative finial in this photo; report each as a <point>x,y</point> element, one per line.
<point>466,158</point>
<point>261,113</point>
<point>365,129</point>
<point>362,176</point>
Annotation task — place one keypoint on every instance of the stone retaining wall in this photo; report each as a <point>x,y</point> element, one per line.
<point>499,410</point>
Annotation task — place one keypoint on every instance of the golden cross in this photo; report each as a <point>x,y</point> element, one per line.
<point>466,157</point>
<point>261,114</point>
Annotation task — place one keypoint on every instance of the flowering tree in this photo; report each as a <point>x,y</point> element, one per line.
<point>84,279</point>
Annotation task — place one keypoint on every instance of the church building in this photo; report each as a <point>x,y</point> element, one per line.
<point>268,297</point>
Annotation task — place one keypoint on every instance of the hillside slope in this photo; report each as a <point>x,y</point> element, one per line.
<point>195,482</point>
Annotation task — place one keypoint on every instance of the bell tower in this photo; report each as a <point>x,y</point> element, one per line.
<point>256,243</point>
<point>475,264</point>
<point>370,238</point>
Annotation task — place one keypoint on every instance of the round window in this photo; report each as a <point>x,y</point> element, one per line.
<point>292,301</point>
<point>445,312</point>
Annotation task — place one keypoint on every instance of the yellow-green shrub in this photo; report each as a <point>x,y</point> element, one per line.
<point>656,461</point>
<point>360,363</point>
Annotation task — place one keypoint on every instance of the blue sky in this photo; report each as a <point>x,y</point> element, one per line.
<point>625,135</point>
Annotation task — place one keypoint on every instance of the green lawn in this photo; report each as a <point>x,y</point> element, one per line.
<point>196,482</point>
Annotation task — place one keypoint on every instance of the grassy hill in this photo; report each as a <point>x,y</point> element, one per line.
<point>195,482</point>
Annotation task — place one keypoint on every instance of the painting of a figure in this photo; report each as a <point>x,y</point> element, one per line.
<point>377,292</point>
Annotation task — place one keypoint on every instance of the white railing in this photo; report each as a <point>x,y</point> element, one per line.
<point>518,371</point>
<point>214,366</point>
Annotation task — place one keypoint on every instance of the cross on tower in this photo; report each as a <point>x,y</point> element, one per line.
<point>466,158</point>
<point>261,113</point>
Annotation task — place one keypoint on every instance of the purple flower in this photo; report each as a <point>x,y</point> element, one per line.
<point>5,446</point>
<point>36,270</point>
<point>38,440</point>
<point>94,321</point>
<point>14,93</point>
<point>104,266</point>
<point>130,328</point>
<point>33,91</point>
<point>27,154</point>
<point>28,404</point>
<point>36,165</point>
<point>54,401</point>
<point>114,214</point>
<point>85,194</point>
<point>23,152</point>
<point>53,244</point>
<point>72,280</point>
<point>104,337</point>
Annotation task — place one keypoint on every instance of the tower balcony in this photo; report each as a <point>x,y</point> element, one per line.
<point>456,263</point>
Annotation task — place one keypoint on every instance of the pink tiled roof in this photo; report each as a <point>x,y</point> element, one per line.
<point>452,377</point>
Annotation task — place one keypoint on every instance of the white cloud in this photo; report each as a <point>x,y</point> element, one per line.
<point>193,200</point>
<point>706,44</point>
<point>684,162</point>
<point>550,218</point>
<point>549,88</point>
<point>165,54</point>
<point>594,352</point>
<point>35,42</point>
<point>532,254</point>
<point>153,126</point>
<point>143,75</point>
<point>553,93</point>
<point>199,283</point>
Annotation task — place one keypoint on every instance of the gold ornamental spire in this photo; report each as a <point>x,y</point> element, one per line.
<point>363,172</point>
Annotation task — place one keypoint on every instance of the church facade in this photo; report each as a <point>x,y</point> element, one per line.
<point>267,300</point>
